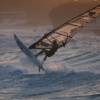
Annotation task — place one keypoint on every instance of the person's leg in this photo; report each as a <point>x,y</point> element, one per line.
<point>45,58</point>
<point>41,68</point>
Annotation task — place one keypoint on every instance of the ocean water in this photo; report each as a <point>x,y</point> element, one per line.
<point>73,72</point>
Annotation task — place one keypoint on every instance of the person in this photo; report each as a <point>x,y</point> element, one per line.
<point>51,51</point>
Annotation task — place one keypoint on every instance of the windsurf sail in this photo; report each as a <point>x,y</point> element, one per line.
<point>64,33</point>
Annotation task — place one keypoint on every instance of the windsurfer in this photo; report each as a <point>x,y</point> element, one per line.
<point>51,51</point>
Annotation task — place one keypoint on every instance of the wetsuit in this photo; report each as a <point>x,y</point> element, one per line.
<point>51,52</point>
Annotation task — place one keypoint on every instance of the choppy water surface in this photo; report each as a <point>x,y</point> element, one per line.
<point>73,73</point>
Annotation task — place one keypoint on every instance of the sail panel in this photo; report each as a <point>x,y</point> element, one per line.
<point>65,32</point>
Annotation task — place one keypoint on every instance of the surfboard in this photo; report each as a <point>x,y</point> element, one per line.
<point>28,53</point>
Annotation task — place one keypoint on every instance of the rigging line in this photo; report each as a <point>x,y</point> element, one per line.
<point>92,17</point>
<point>89,17</point>
<point>49,40</point>
<point>81,16</point>
<point>79,19</point>
<point>74,24</point>
<point>60,33</point>
<point>85,20</point>
<point>69,36</point>
<point>65,32</point>
<point>54,39</point>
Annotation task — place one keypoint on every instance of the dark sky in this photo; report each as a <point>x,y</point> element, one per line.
<point>43,12</point>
